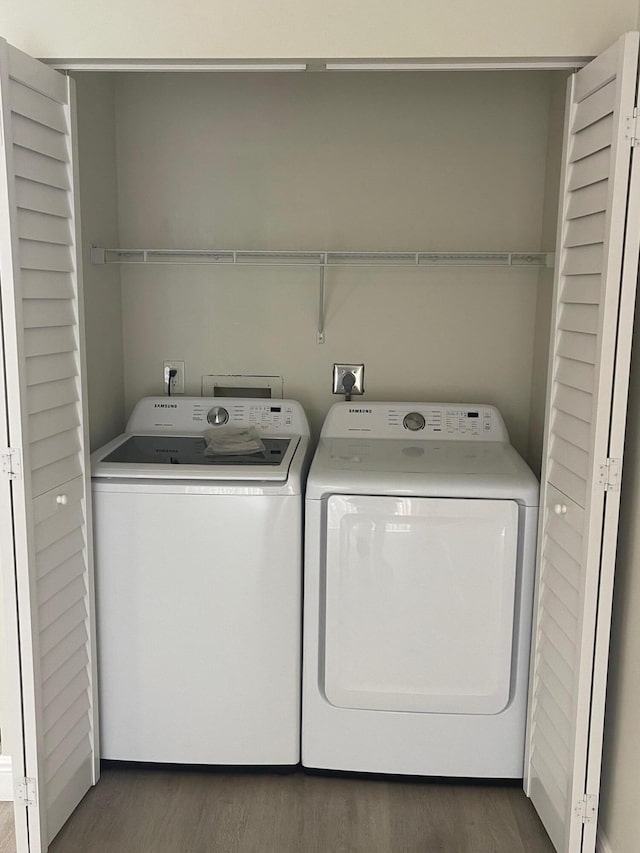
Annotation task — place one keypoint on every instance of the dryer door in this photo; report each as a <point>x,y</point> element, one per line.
<point>419,603</point>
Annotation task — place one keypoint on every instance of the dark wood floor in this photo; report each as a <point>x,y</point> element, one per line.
<point>158,811</point>
<point>7,838</point>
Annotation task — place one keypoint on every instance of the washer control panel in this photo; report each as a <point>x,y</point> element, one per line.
<point>467,421</point>
<point>194,414</point>
<point>417,421</point>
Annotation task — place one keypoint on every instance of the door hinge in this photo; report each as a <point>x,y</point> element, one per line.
<point>609,475</point>
<point>11,463</point>
<point>631,128</point>
<point>26,792</point>
<point>587,808</point>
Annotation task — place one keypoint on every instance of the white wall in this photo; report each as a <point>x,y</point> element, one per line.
<point>315,28</point>
<point>558,88</point>
<point>98,204</point>
<point>619,821</point>
<point>375,162</point>
<point>4,692</point>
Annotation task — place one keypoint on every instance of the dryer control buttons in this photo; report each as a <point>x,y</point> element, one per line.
<point>413,421</point>
<point>218,416</point>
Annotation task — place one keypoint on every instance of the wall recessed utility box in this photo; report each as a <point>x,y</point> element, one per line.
<point>355,372</point>
<point>242,385</point>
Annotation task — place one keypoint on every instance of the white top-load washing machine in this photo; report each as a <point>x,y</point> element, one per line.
<point>419,567</point>
<point>198,584</point>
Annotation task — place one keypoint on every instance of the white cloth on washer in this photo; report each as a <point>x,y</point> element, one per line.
<point>232,441</point>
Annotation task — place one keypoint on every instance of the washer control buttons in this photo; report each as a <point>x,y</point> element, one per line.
<point>218,416</point>
<point>413,421</point>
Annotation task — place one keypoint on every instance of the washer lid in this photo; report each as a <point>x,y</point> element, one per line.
<point>183,457</point>
<point>191,450</point>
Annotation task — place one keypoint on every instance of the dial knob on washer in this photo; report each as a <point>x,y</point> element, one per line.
<point>218,416</point>
<point>413,421</point>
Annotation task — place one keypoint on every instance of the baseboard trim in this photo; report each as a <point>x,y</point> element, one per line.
<point>602,844</point>
<point>6,779</point>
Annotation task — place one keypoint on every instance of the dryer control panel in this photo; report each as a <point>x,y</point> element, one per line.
<point>178,415</point>
<point>416,421</point>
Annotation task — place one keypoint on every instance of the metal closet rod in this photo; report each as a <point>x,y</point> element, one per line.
<point>530,260</point>
<point>321,260</point>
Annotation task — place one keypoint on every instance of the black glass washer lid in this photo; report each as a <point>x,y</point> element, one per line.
<point>190,450</point>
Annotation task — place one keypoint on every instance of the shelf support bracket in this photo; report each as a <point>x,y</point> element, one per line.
<point>97,255</point>
<point>320,336</point>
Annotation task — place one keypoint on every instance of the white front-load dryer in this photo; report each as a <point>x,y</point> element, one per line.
<point>419,566</point>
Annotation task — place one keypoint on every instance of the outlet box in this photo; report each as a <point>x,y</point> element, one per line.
<point>177,383</point>
<point>339,372</point>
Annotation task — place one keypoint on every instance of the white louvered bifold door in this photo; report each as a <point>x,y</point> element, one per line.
<point>46,408</point>
<point>598,236</point>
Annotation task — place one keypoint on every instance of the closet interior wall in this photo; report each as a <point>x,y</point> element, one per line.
<point>352,161</point>
<point>540,365</point>
<point>95,94</point>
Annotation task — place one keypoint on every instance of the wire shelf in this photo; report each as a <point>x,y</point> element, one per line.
<point>535,260</point>
<point>321,260</point>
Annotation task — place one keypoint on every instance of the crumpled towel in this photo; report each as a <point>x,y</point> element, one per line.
<point>232,441</point>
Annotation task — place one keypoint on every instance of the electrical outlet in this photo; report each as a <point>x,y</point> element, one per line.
<point>339,372</point>
<point>177,383</point>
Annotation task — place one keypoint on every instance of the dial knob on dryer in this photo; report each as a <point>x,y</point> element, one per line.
<point>218,416</point>
<point>413,421</point>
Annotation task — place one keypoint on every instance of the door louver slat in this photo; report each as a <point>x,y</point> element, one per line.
<point>54,555</point>
<point>41,139</point>
<point>42,198</point>
<point>576,374</point>
<point>49,341</point>
<point>64,687</point>
<point>42,227</point>
<point>600,104</point>
<point>33,105</point>
<point>59,655</point>
<point>582,232</point>
<point>42,398</point>
<point>590,170</point>
<point>65,723</point>
<point>593,139</point>
<point>588,200</point>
